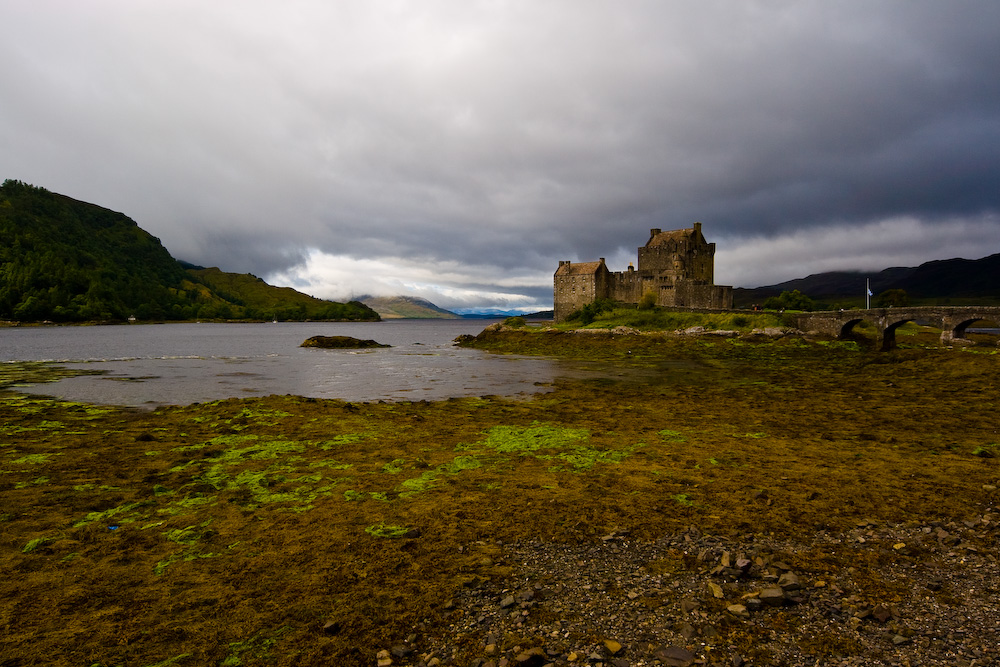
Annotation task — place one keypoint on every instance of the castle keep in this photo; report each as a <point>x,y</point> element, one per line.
<point>677,266</point>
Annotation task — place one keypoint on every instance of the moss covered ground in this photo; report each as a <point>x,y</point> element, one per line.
<point>292,531</point>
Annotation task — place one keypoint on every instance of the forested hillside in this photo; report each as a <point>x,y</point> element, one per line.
<point>64,260</point>
<point>258,300</point>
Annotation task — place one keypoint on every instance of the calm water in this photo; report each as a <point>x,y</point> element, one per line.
<point>150,365</point>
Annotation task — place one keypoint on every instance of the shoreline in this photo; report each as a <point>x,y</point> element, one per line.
<point>548,530</point>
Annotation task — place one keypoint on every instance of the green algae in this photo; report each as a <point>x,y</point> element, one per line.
<point>260,486</point>
<point>22,373</point>
<point>341,440</point>
<point>121,512</point>
<point>576,455</point>
<point>580,457</point>
<point>256,649</point>
<point>528,440</point>
<point>394,467</point>
<point>189,537</point>
<point>387,531</point>
<point>172,661</point>
<point>38,481</point>
<point>683,499</point>
<point>331,464</point>
<point>427,480</point>
<point>185,505</point>
<point>350,495</point>
<point>988,451</point>
<point>188,534</point>
<point>252,417</point>
<point>44,425</point>
<point>33,459</point>
<point>37,543</point>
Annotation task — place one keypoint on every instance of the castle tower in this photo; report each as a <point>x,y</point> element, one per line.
<point>681,254</point>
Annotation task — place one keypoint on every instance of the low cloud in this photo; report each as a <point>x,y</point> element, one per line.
<point>449,285</point>
<point>872,247</point>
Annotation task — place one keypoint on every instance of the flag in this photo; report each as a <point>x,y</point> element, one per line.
<point>870,292</point>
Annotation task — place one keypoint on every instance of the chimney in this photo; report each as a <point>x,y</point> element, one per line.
<point>653,232</point>
<point>697,228</point>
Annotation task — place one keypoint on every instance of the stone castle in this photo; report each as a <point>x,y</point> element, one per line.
<point>677,266</point>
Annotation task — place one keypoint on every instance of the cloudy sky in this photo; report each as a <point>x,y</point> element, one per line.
<point>456,150</point>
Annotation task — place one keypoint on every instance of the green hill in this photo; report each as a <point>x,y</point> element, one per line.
<point>65,260</point>
<point>259,300</point>
<point>406,307</point>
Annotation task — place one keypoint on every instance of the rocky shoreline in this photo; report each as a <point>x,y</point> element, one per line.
<point>694,599</point>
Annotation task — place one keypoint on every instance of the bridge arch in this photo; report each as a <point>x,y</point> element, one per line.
<point>885,328</point>
<point>847,327</point>
<point>889,334</point>
<point>957,327</point>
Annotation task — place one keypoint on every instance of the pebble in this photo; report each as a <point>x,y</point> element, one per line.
<point>739,611</point>
<point>559,598</point>
<point>773,597</point>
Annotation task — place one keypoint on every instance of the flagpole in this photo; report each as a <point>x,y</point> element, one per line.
<point>868,294</point>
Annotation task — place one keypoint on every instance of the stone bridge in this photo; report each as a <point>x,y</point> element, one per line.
<point>952,320</point>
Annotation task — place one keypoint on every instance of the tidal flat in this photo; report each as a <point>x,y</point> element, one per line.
<point>643,518</point>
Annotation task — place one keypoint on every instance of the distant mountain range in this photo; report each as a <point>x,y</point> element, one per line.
<point>64,260</point>
<point>496,313</point>
<point>940,282</point>
<point>405,307</point>
<point>412,307</point>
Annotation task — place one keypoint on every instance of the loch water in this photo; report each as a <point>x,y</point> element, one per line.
<point>179,364</point>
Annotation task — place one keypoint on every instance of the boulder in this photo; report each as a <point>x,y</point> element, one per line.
<point>340,342</point>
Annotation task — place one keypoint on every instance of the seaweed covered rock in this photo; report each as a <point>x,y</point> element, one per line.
<point>340,342</point>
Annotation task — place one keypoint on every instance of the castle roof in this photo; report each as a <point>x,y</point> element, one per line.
<point>659,237</point>
<point>578,268</point>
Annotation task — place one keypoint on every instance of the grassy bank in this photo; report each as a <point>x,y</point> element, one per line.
<point>293,531</point>
<point>609,314</point>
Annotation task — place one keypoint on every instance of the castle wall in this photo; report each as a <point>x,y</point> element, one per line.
<point>628,286</point>
<point>696,294</point>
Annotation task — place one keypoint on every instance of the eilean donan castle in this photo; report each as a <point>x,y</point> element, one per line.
<point>677,266</point>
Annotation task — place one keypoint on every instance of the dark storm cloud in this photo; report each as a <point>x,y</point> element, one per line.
<point>462,148</point>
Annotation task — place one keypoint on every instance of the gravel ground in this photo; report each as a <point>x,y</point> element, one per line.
<point>920,594</point>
